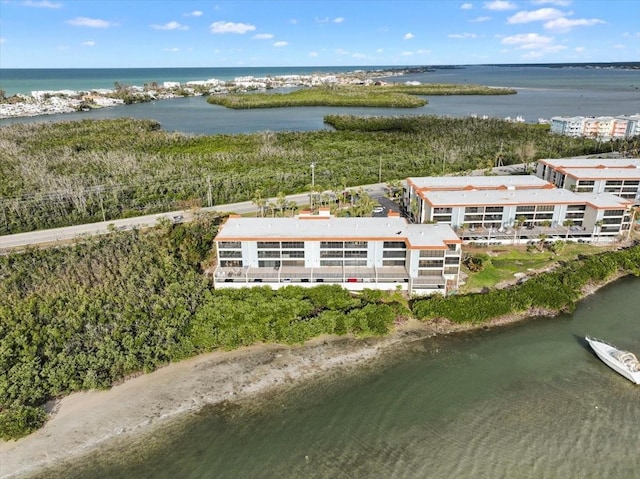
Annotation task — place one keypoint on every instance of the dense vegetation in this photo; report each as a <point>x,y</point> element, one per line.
<point>558,290</point>
<point>389,96</point>
<point>76,172</point>
<point>88,315</point>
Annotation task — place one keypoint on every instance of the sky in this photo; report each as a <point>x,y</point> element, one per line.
<point>253,33</point>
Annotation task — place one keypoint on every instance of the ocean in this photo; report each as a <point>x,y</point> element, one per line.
<point>543,92</point>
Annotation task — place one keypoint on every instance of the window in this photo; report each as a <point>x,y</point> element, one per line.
<point>331,254</point>
<point>430,263</point>
<point>355,254</point>
<point>523,209</point>
<point>451,271</point>
<point>393,254</point>
<point>392,262</point>
<point>355,262</point>
<point>268,254</point>
<point>229,244</point>
<point>395,244</point>
<point>331,244</point>
<point>231,264</point>
<point>269,264</point>
<point>545,208</point>
<point>293,245</point>
<point>431,253</point>
<point>494,209</point>
<point>230,254</point>
<point>269,244</point>
<point>452,260</point>
<point>427,272</point>
<point>355,244</point>
<point>293,254</point>
<point>441,211</point>
<point>613,212</point>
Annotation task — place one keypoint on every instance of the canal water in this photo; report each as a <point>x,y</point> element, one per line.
<point>528,400</point>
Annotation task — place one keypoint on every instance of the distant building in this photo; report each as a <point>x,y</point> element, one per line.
<point>602,127</point>
<point>618,176</point>
<point>356,253</point>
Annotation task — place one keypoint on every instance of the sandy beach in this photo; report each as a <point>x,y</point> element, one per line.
<point>83,421</point>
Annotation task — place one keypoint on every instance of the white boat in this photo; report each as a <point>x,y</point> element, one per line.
<point>620,361</point>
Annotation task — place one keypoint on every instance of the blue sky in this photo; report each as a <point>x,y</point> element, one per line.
<point>171,33</point>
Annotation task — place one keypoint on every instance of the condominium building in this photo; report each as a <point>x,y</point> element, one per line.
<point>356,253</point>
<point>602,127</point>
<point>520,214</point>
<point>618,176</point>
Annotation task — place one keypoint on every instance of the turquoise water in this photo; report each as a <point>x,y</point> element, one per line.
<point>523,401</point>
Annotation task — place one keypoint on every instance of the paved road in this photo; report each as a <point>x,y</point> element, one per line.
<point>68,233</point>
<point>52,236</point>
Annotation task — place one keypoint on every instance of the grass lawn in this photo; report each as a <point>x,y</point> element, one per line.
<point>506,261</point>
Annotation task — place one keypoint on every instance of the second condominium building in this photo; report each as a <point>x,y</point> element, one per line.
<point>515,208</point>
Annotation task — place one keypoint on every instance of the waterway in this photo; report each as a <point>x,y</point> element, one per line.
<point>543,92</point>
<point>529,400</point>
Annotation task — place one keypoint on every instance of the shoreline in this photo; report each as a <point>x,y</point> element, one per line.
<point>85,421</point>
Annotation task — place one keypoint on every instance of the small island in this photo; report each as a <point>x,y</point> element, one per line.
<point>378,94</point>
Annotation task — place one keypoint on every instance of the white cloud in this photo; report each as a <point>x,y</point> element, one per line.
<point>466,6</point>
<point>41,4</point>
<point>90,22</point>
<point>313,54</point>
<point>579,49</point>
<point>406,54</point>
<point>340,51</point>
<point>540,15</point>
<point>293,21</point>
<point>280,44</point>
<point>172,50</point>
<point>89,43</point>
<point>338,20</point>
<point>379,50</point>
<point>565,24</point>
<point>263,36</point>
<point>231,27</point>
<point>195,13</point>
<point>170,26</point>
<point>619,46</point>
<point>463,35</point>
<point>499,5</point>
<point>322,20</point>
<point>3,40</point>
<point>535,44</point>
<point>631,35</point>
<point>408,36</point>
<point>480,19</point>
<point>359,55</point>
<point>560,3</point>
<point>528,41</point>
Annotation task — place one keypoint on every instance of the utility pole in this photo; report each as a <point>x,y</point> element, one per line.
<point>209,194</point>
<point>104,218</point>
<point>313,184</point>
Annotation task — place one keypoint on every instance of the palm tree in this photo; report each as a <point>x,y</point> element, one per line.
<point>517,224</point>
<point>597,226</point>
<point>541,239</point>
<point>260,202</point>
<point>568,223</point>
<point>281,201</point>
